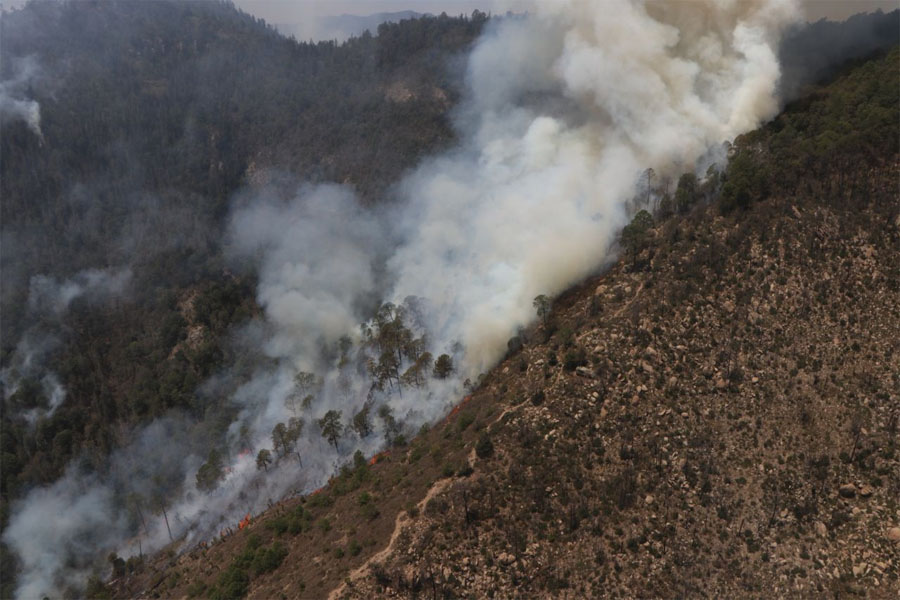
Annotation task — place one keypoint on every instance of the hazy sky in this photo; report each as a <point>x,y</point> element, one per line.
<point>296,11</point>
<point>291,11</point>
<point>285,11</point>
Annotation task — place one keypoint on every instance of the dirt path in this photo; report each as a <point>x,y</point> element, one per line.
<point>400,522</point>
<point>624,307</point>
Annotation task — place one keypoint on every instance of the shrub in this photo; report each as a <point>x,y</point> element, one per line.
<point>484,448</point>
<point>196,589</point>
<point>279,524</point>
<point>232,584</point>
<point>320,500</point>
<point>268,559</point>
<point>574,359</point>
<point>96,589</point>
<point>465,419</point>
<point>369,511</point>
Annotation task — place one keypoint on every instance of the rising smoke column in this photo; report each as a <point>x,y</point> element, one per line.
<point>565,109</point>
<point>535,198</point>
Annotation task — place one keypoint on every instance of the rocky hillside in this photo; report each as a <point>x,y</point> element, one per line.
<point>715,416</point>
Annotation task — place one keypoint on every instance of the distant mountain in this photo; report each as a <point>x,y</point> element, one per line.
<point>813,52</point>
<point>343,27</point>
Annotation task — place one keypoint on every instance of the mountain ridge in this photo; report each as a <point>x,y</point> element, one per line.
<point>715,415</point>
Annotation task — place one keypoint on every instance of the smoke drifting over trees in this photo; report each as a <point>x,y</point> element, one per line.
<point>561,113</point>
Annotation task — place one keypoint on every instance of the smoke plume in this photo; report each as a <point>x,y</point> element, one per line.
<point>565,109</point>
<point>14,103</point>
<point>49,295</point>
<point>48,301</point>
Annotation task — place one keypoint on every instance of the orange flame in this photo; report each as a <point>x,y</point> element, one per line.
<point>244,522</point>
<point>458,407</point>
<point>378,458</point>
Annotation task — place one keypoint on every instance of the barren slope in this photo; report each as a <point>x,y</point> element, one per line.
<point>718,419</point>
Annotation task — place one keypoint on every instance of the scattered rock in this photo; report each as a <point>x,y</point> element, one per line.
<point>893,534</point>
<point>866,491</point>
<point>506,558</point>
<point>821,529</point>
<point>848,490</point>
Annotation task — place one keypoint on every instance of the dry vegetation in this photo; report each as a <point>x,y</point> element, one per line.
<point>722,420</point>
<point>716,418</point>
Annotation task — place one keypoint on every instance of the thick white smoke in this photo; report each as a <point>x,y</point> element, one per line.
<point>565,109</point>
<point>534,200</point>
<point>318,255</point>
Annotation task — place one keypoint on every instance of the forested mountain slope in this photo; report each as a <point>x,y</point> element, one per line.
<point>148,128</point>
<point>717,415</point>
<point>152,115</point>
<point>132,132</point>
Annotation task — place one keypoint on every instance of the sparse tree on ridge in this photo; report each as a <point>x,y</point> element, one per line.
<point>331,427</point>
<point>306,386</point>
<point>634,235</point>
<point>285,437</point>
<point>542,305</point>
<point>279,439</point>
<point>362,423</point>
<point>264,459</point>
<point>294,430</point>
<point>159,503</point>
<point>210,473</point>
<point>686,192</point>
<point>391,427</point>
<point>443,366</point>
<point>415,374</point>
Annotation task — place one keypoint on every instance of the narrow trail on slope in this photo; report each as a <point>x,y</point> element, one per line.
<point>399,523</point>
